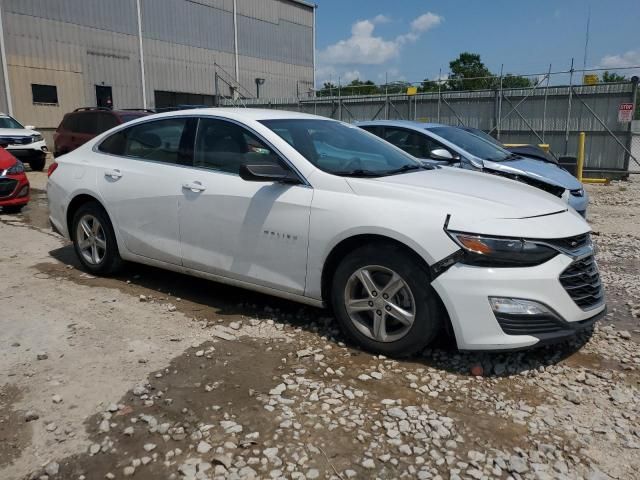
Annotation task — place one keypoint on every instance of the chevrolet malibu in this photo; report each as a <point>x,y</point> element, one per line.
<point>327,214</point>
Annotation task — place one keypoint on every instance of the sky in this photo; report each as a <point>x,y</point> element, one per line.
<point>412,40</point>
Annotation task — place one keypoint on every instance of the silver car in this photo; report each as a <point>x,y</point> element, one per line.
<point>453,146</point>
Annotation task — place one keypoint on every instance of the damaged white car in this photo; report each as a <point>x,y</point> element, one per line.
<point>324,213</point>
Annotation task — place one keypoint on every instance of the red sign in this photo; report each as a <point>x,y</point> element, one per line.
<point>625,112</point>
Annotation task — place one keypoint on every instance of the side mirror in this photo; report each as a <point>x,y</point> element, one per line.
<point>441,154</point>
<point>29,127</point>
<point>267,172</point>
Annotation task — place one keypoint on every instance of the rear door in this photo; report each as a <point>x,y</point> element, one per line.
<point>139,174</point>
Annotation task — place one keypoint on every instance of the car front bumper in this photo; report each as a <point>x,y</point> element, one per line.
<point>579,204</point>
<point>14,190</point>
<point>29,150</point>
<point>465,292</point>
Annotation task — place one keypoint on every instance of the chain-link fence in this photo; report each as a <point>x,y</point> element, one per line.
<point>541,113</point>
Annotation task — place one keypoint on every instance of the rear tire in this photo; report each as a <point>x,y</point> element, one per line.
<point>37,164</point>
<point>94,240</point>
<point>383,301</point>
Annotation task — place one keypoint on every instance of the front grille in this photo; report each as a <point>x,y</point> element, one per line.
<point>571,243</point>
<point>582,282</point>
<point>7,186</point>
<point>16,140</point>
<point>541,325</point>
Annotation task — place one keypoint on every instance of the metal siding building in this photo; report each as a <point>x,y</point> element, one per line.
<point>78,45</point>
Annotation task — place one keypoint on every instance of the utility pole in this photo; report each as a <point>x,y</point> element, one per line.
<point>586,40</point>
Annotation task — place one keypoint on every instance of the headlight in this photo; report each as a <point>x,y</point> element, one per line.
<point>486,251</point>
<point>36,138</point>
<point>17,168</point>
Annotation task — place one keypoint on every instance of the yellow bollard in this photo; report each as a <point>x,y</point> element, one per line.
<point>580,165</point>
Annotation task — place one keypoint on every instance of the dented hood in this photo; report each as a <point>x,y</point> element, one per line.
<point>536,169</point>
<point>478,202</point>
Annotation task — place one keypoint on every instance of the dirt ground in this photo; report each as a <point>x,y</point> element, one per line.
<point>156,375</point>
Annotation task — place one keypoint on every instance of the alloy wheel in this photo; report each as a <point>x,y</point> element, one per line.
<point>91,238</point>
<point>380,303</point>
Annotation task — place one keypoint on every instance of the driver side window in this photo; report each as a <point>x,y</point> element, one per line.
<point>414,143</point>
<point>407,140</point>
<point>225,146</point>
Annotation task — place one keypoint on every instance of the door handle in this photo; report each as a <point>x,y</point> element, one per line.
<point>114,174</point>
<point>194,187</point>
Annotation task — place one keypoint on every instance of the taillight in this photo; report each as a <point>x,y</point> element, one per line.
<point>52,168</point>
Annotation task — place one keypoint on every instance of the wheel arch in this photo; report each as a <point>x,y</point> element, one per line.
<point>349,244</point>
<point>77,201</point>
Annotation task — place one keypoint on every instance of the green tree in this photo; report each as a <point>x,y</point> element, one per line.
<point>395,87</point>
<point>359,87</point>
<point>429,86</point>
<point>469,73</point>
<point>328,89</point>
<point>612,77</point>
<point>515,81</point>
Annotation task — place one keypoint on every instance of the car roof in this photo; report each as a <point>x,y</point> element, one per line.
<point>126,111</point>
<point>400,123</point>
<point>240,113</point>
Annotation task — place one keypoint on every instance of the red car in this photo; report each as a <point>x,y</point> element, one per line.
<point>14,184</point>
<point>81,125</point>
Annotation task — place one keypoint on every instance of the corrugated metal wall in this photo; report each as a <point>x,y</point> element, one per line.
<point>78,44</point>
<point>4,107</point>
<point>188,23</point>
<point>480,110</point>
<point>113,15</point>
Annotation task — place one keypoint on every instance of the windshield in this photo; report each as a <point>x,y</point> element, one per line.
<point>342,149</point>
<point>481,134</point>
<point>472,143</point>
<point>8,122</point>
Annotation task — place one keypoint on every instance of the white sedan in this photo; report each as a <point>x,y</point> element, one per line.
<point>327,214</point>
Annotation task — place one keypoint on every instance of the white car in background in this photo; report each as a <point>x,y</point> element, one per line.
<point>24,143</point>
<point>324,213</point>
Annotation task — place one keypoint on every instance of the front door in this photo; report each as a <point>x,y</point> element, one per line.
<point>139,171</point>
<point>255,232</point>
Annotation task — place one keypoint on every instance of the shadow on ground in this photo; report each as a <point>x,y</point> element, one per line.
<point>212,302</point>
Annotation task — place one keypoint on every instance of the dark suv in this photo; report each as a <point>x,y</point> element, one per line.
<point>81,125</point>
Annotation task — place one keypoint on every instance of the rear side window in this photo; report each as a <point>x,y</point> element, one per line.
<point>69,122</point>
<point>375,129</point>
<point>166,141</point>
<point>86,123</point>
<point>409,141</point>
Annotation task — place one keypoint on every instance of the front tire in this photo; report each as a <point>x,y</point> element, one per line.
<point>383,301</point>
<point>94,240</point>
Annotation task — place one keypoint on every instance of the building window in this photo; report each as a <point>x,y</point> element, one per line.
<point>172,100</point>
<point>44,93</point>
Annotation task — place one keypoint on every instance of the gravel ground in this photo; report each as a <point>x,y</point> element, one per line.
<point>156,375</point>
